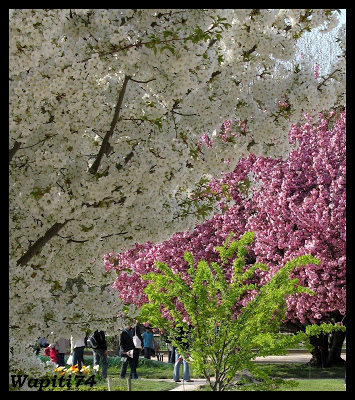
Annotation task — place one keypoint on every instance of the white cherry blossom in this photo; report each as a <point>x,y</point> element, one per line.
<point>174,75</point>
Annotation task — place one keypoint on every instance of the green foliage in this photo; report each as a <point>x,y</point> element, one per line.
<point>202,192</point>
<point>232,321</point>
<point>316,330</point>
<point>167,42</point>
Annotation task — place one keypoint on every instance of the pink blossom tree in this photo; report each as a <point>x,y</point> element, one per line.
<point>295,206</point>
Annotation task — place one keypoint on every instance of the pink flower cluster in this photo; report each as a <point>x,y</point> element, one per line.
<point>316,71</point>
<point>226,133</point>
<point>297,207</point>
<point>206,140</point>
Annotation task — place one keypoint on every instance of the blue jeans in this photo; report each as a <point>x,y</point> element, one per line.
<point>176,373</point>
<point>100,354</point>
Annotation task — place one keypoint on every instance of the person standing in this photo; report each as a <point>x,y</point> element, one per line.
<point>62,345</point>
<point>183,340</point>
<point>147,342</point>
<point>172,354</point>
<point>126,352</point>
<point>41,343</point>
<point>77,345</point>
<point>100,353</point>
<point>137,349</point>
<point>170,349</point>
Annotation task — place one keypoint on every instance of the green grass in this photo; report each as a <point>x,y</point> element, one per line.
<point>149,369</point>
<point>307,385</point>
<point>122,385</point>
<point>119,384</point>
<point>140,385</point>
<point>324,385</point>
<point>302,371</point>
<point>308,378</point>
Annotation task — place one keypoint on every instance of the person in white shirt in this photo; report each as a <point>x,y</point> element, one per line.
<point>77,345</point>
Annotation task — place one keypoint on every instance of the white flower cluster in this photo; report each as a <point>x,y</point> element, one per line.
<point>173,75</point>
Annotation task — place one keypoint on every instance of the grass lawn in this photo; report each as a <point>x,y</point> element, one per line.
<point>138,385</point>
<point>324,385</point>
<point>308,378</point>
<point>308,385</point>
<point>302,371</point>
<point>148,371</point>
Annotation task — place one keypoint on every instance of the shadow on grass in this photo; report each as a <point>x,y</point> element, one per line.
<point>303,371</point>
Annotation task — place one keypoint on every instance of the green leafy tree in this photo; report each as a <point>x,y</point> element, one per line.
<point>227,323</point>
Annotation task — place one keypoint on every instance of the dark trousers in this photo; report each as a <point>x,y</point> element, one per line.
<point>147,352</point>
<point>136,356</point>
<point>78,356</point>
<point>132,366</point>
<point>172,356</point>
<point>60,361</point>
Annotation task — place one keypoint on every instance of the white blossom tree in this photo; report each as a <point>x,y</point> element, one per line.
<point>107,111</point>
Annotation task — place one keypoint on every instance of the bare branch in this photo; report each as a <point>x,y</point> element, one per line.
<point>41,242</point>
<point>331,75</point>
<point>14,150</point>
<point>149,80</point>
<point>105,143</point>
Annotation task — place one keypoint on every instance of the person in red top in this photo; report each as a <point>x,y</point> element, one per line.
<point>52,353</point>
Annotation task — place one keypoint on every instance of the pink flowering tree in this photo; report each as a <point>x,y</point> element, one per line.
<point>295,206</point>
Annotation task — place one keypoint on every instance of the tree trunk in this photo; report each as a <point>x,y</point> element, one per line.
<point>336,343</point>
<point>320,350</point>
<point>327,349</point>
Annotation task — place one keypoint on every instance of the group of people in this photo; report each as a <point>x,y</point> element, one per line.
<point>132,344</point>
<point>56,351</point>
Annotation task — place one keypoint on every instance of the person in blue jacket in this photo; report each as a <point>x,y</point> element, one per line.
<point>147,342</point>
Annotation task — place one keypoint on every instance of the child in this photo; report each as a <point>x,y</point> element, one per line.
<point>52,353</point>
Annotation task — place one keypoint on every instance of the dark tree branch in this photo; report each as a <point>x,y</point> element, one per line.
<point>14,150</point>
<point>331,75</point>
<point>149,80</point>
<point>42,241</point>
<point>105,143</point>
